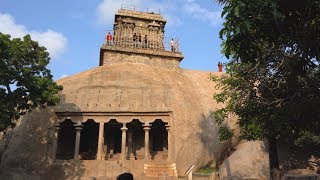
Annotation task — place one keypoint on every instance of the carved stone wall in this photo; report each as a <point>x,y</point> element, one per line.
<point>168,62</point>
<point>140,25</point>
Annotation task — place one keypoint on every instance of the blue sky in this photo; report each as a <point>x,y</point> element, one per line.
<point>73,31</point>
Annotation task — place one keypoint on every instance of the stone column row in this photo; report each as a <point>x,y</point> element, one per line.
<point>79,127</point>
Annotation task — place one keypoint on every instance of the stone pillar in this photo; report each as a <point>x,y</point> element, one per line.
<point>146,129</point>
<point>130,146</point>
<point>78,128</point>
<point>123,141</point>
<point>55,142</point>
<point>169,143</point>
<point>100,141</point>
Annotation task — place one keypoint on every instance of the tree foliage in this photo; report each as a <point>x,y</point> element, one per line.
<point>272,80</point>
<point>25,82</point>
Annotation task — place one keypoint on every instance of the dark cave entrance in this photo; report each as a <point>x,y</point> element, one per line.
<point>89,140</point>
<point>112,140</point>
<point>66,140</point>
<point>158,140</point>
<point>135,140</point>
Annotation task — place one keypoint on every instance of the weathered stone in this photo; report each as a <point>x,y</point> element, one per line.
<point>138,84</point>
<point>249,161</point>
<point>113,54</point>
<point>132,87</point>
<point>301,174</point>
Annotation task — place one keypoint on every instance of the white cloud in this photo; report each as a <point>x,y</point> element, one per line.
<point>171,10</point>
<point>106,10</point>
<point>199,13</point>
<point>55,42</point>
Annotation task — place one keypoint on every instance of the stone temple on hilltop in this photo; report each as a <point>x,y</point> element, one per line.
<point>137,113</point>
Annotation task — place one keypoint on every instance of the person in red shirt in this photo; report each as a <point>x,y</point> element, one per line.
<point>109,38</point>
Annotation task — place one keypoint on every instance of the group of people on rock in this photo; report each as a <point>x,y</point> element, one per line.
<point>137,41</point>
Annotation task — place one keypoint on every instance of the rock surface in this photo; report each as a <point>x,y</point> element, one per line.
<point>128,87</point>
<point>301,172</point>
<point>249,161</point>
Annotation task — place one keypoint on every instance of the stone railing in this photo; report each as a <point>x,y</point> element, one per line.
<point>167,44</point>
<point>189,172</point>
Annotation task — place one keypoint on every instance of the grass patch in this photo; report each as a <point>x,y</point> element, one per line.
<point>206,170</point>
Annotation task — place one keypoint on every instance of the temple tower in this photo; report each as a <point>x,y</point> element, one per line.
<point>138,37</point>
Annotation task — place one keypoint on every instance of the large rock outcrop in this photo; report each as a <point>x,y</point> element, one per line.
<point>128,87</point>
<point>249,161</point>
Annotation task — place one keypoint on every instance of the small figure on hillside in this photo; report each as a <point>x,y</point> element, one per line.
<point>109,39</point>
<point>220,66</point>
<point>172,45</point>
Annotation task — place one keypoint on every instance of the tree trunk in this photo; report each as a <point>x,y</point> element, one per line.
<point>273,159</point>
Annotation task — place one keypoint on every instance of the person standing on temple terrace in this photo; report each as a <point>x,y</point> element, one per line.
<point>135,38</point>
<point>172,45</point>
<point>109,38</point>
<point>139,39</point>
<point>145,41</point>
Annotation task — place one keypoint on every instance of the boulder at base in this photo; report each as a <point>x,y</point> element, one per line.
<point>249,161</point>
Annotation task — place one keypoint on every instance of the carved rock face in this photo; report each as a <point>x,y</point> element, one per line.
<point>129,87</point>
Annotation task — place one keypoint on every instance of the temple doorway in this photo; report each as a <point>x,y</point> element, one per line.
<point>158,140</point>
<point>66,140</point>
<point>135,140</point>
<point>89,140</point>
<point>112,140</point>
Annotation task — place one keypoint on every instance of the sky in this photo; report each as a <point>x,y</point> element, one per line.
<point>73,31</point>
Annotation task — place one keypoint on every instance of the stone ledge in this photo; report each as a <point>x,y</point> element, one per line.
<point>139,14</point>
<point>177,55</point>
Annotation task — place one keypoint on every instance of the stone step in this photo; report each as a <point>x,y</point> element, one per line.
<point>160,170</point>
<point>159,175</point>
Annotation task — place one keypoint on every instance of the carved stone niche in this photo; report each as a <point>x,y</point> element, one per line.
<point>154,24</point>
<point>154,28</point>
<point>115,26</point>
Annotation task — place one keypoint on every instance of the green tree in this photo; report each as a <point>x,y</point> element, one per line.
<point>25,82</point>
<point>272,80</point>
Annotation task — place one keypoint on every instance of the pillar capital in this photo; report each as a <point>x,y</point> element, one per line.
<point>146,127</point>
<point>124,128</point>
<point>78,127</point>
<point>57,127</point>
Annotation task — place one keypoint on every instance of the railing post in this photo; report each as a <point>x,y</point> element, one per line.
<point>189,172</point>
